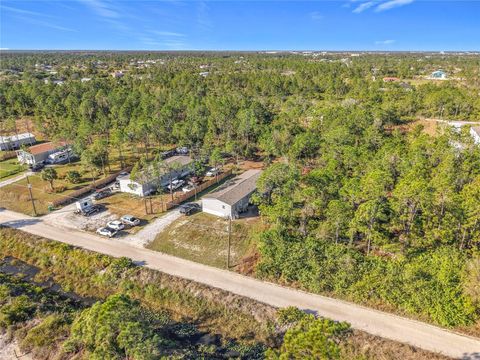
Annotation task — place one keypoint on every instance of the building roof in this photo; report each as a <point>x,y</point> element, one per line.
<point>17,137</point>
<point>236,189</point>
<point>45,147</point>
<point>178,159</point>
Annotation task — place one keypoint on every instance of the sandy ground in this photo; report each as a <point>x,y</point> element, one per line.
<point>66,218</point>
<point>10,351</point>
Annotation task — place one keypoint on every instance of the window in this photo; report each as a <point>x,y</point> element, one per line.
<point>223,206</point>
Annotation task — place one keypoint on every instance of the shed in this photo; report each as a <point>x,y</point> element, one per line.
<point>233,197</point>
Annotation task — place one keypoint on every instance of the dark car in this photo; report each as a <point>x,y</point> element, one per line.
<point>100,194</point>
<point>189,209</point>
<point>90,210</point>
<point>167,154</point>
<point>37,166</point>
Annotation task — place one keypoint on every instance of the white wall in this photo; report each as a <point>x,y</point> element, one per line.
<point>216,207</point>
<point>132,187</point>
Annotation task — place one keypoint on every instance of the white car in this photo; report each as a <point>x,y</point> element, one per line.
<point>182,150</point>
<point>213,172</point>
<point>116,225</point>
<point>106,231</point>
<point>130,220</point>
<point>188,188</point>
<point>175,184</point>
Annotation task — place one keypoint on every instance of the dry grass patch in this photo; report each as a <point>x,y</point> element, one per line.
<point>203,238</point>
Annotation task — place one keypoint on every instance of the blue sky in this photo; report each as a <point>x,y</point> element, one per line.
<point>240,25</point>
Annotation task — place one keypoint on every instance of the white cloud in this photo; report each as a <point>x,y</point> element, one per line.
<point>44,23</point>
<point>384,42</point>
<point>364,6</point>
<point>392,4</point>
<point>168,33</point>
<point>102,8</point>
<point>316,15</point>
<point>23,12</point>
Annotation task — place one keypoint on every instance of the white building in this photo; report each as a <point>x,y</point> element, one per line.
<point>233,197</point>
<point>15,141</point>
<point>475,132</point>
<point>148,181</point>
<point>38,153</point>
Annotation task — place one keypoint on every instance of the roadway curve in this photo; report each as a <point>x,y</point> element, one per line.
<point>375,322</point>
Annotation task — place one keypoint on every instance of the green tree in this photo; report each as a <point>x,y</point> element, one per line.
<point>49,174</point>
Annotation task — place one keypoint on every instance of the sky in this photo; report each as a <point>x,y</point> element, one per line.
<point>383,25</point>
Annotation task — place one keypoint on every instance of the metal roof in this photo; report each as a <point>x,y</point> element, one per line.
<point>17,137</point>
<point>236,189</point>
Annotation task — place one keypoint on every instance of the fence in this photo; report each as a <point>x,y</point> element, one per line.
<point>6,155</point>
<point>74,196</point>
<point>183,197</point>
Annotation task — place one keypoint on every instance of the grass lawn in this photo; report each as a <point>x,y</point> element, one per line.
<point>16,197</point>
<point>10,168</point>
<point>123,203</point>
<point>203,238</point>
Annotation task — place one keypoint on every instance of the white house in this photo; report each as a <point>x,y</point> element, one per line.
<point>148,181</point>
<point>475,132</point>
<point>233,197</point>
<point>38,153</point>
<point>15,141</point>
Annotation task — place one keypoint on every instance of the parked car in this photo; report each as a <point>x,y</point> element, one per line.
<point>182,150</point>
<point>188,188</point>
<point>37,166</point>
<point>130,220</point>
<point>167,154</point>
<point>89,210</point>
<point>189,208</point>
<point>213,172</point>
<point>106,231</point>
<point>100,194</point>
<point>177,183</point>
<point>116,225</point>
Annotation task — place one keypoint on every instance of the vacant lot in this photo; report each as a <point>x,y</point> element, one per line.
<point>203,238</point>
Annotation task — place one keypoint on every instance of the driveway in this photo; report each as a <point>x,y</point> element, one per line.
<point>14,179</point>
<point>375,322</point>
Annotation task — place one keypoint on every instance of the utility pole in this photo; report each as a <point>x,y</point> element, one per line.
<point>229,240</point>
<point>31,196</point>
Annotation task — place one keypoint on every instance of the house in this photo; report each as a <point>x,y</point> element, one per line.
<point>390,79</point>
<point>438,75</point>
<point>233,197</point>
<point>148,180</point>
<point>38,153</point>
<point>117,74</point>
<point>15,141</point>
<point>475,132</point>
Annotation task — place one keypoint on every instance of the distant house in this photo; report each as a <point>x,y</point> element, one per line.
<point>438,75</point>
<point>13,142</point>
<point>148,181</point>
<point>38,153</point>
<point>475,132</point>
<point>233,197</point>
<point>390,79</point>
<point>117,74</point>
<point>204,73</point>
<point>85,79</point>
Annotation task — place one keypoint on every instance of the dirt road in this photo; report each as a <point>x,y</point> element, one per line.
<point>386,325</point>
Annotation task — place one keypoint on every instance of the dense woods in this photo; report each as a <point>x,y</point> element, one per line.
<point>359,201</point>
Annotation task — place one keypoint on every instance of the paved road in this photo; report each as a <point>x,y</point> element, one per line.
<point>374,322</point>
